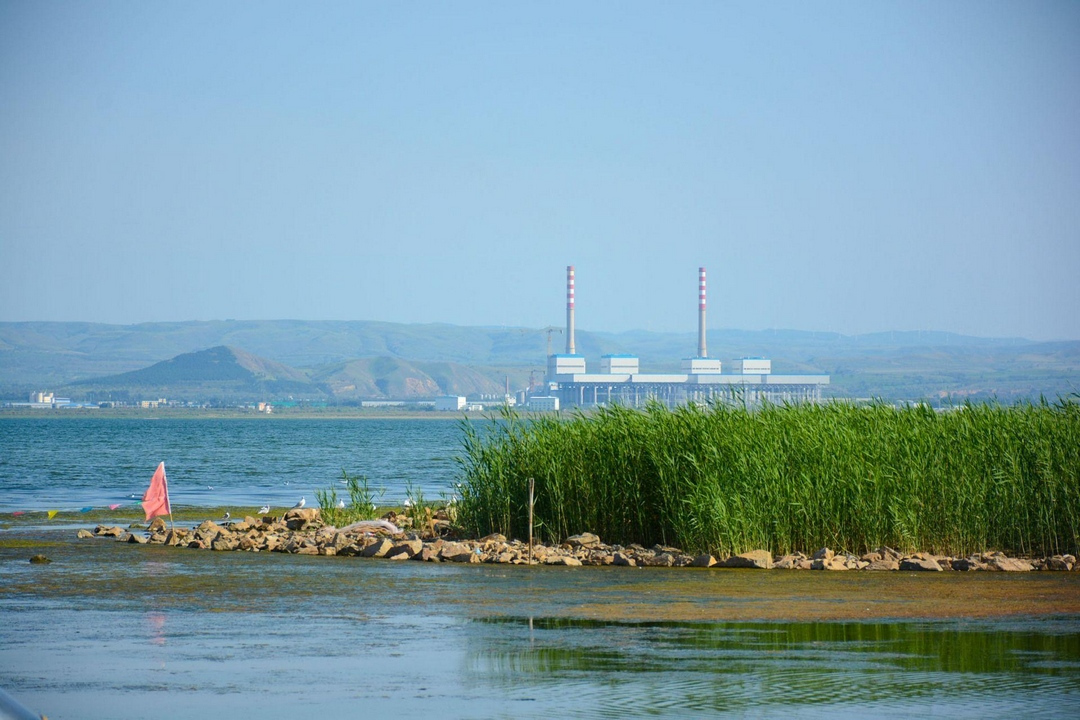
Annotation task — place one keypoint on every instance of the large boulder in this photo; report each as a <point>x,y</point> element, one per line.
<point>405,549</point>
<point>1007,564</point>
<point>301,518</point>
<point>585,540</point>
<point>755,559</point>
<point>920,563</point>
<point>379,548</point>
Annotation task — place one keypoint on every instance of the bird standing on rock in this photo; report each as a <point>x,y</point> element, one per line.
<point>302,503</point>
<point>226,516</point>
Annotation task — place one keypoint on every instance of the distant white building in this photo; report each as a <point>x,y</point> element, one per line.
<point>755,366</point>
<point>543,402</point>
<point>450,403</point>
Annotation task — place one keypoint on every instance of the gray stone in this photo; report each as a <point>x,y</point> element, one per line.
<point>568,561</point>
<point>824,554</point>
<point>623,560</point>
<point>704,561</point>
<point>756,559</point>
<point>789,562</point>
<point>583,540</point>
<point>83,534</point>
<point>105,531</point>
<point>883,564</point>
<point>920,563</point>
<point>39,560</point>
<point>137,539</point>
<point>967,564</point>
<point>664,559</point>
<point>223,542</point>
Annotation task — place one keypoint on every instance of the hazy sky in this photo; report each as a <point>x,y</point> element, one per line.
<point>848,167</point>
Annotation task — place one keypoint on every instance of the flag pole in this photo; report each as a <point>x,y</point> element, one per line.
<point>172,525</point>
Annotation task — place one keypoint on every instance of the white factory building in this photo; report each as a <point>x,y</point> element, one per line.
<point>701,378</point>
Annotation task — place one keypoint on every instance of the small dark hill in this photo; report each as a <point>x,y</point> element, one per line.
<point>220,372</point>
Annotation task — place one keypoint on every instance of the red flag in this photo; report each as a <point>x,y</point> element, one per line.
<point>156,498</point>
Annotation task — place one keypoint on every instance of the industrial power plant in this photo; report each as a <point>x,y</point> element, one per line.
<point>620,380</point>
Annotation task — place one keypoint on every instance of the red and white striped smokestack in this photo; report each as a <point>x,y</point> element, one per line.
<point>569,309</point>
<point>701,314</point>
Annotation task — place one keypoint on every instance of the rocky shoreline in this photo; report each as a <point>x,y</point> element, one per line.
<point>302,532</point>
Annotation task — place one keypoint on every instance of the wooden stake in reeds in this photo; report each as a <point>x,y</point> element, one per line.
<point>532,488</point>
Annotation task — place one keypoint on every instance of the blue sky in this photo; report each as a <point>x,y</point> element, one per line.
<point>848,167</point>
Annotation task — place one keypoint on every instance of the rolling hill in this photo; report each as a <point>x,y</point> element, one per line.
<point>338,359</point>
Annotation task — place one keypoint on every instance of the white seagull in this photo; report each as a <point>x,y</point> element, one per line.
<point>302,503</point>
<point>408,503</point>
<point>265,509</point>
<point>340,505</point>
<point>226,516</point>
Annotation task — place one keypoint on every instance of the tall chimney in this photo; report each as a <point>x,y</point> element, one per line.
<point>701,314</point>
<point>570,310</point>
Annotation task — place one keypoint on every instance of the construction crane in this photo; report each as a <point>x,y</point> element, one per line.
<point>549,329</point>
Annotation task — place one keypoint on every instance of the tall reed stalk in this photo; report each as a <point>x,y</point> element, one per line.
<point>727,478</point>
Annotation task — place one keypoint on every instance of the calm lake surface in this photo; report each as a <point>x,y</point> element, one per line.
<point>110,630</point>
<point>69,463</point>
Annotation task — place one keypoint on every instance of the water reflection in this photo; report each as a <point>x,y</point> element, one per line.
<point>644,668</point>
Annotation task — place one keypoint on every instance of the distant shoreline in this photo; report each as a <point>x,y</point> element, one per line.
<point>328,413</point>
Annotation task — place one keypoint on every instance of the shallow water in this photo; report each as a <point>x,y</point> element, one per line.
<point>114,630</point>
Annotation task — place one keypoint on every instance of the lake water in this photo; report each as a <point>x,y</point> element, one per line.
<point>113,630</point>
<point>69,463</point>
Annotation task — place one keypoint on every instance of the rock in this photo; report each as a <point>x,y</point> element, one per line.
<point>920,563</point>
<point>1007,564</point>
<point>39,560</point>
<point>967,564</point>
<point>379,548</point>
<point>824,554</point>
<point>405,550</point>
<point>664,559</point>
<point>883,564</point>
<point>427,554</point>
<point>567,560</point>
<point>1061,562</point>
<point>755,559</point>
<point>493,538</point>
<point>300,518</point>
<point>789,562</point>
<point>871,556</point>
<point>328,550</point>
<point>623,560</point>
<point>83,534</point>
<point>832,563</point>
<point>157,525</point>
<point>137,539</point>
<point>105,531</point>
<point>224,541</point>
<point>126,537</point>
<point>587,540</point>
<point>704,561</point>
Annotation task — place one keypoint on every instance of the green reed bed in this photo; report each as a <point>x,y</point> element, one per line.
<point>726,479</point>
